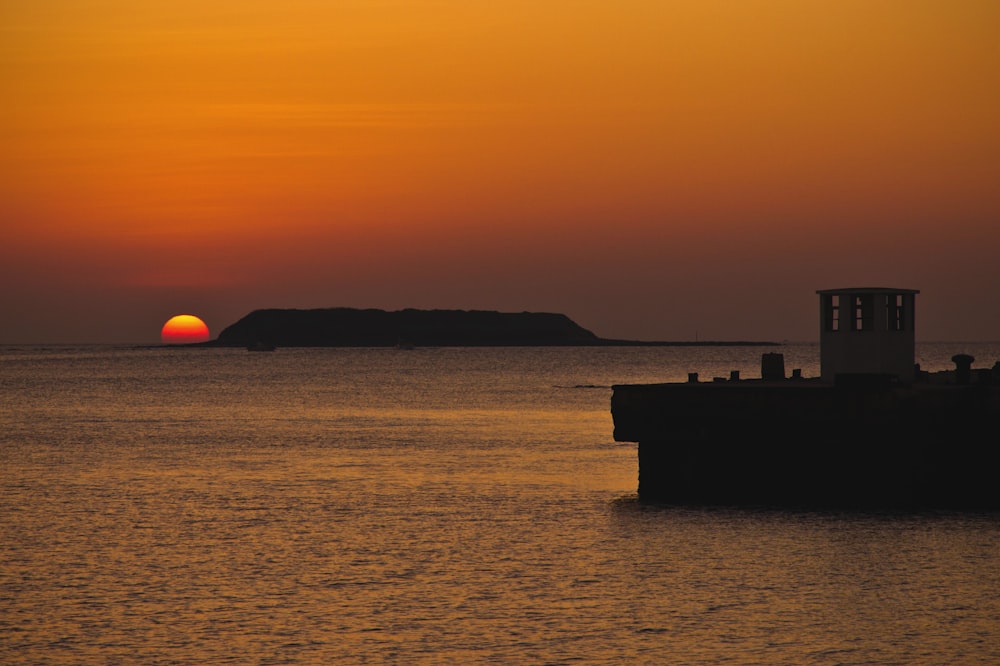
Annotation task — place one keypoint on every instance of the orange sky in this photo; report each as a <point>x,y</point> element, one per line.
<point>655,170</point>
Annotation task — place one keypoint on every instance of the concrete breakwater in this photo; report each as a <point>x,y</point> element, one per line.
<point>806,443</point>
<point>873,431</point>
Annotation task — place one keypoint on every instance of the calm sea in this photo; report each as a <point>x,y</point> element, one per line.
<point>432,506</point>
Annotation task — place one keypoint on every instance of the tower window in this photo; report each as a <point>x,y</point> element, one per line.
<point>831,312</point>
<point>894,312</point>
<point>861,312</point>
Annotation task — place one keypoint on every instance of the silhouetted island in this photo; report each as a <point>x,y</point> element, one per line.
<point>351,327</point>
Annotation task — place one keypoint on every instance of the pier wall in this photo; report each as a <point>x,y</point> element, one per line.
<point>810,443</point>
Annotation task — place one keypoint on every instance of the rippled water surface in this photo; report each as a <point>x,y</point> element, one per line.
<point>438,506</point>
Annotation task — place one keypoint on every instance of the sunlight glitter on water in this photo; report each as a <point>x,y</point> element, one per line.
<point>439,508</point>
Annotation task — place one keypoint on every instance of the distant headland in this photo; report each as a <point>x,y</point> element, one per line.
<point>352,327</point>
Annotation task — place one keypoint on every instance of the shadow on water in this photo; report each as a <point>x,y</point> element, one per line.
<point>631,506</point>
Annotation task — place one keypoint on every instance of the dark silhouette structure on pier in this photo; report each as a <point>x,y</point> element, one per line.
<point>872,432</point>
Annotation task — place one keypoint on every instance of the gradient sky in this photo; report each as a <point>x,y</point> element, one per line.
<point>658,170</point>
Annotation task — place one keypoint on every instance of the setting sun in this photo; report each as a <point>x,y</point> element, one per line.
<point>184,329</point>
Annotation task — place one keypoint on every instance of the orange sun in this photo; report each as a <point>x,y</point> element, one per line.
<point>184,329</point>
